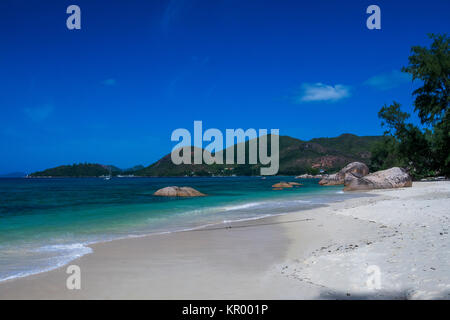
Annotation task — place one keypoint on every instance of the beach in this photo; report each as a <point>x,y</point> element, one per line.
<point>326,252</point>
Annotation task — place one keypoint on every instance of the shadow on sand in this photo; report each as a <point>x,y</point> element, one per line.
<point>379,295</point>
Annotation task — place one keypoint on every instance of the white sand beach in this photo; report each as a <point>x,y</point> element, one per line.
<point>323,253</point>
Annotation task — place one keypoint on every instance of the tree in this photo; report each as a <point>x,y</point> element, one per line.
<point>427,151</point>
<point>393,118</point>
<point>404,145</point>
<point>385,154</point>
<point>432,67</point>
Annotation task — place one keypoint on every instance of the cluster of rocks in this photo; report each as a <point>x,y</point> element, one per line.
<point>355,176</point>
<point>356,169</point>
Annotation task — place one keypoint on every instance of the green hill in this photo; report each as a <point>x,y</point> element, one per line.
<point>296,157</point>
<point>349,143</point>
<point>75,171</point>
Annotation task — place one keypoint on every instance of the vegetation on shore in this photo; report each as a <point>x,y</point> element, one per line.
<point>81,170</point>
<point>425,150</point>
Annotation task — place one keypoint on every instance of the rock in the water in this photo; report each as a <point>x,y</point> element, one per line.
<point>175,191</point>
<point>354,169</point>
<point>282,185</point>
<point>385,179</point>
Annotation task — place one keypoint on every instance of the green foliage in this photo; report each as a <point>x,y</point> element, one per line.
<point>441,145</point>
<point>385,154</point>
<point>423,152</point>
<point>393,118</point>
<point>432,67</point>
<point>405,145</point>
<point>312,171</point>
<point>348,144</point>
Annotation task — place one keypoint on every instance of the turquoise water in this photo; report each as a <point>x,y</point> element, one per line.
<point>46,223</point>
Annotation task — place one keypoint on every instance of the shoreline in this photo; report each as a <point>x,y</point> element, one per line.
<point>85,246</point>
<point>290,256</point>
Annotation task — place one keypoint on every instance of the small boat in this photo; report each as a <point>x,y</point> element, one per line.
<point>108,177</point>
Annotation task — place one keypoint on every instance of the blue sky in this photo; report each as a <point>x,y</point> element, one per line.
<point>114,91</point>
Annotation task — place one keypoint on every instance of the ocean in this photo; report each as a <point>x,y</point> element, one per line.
<point>46,223</point>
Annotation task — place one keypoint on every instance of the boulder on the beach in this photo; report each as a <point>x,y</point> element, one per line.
<point>354,169</point>
<point>385,179</point>
<point>175,191</point>
<point>332,180</point>
<point>349,177</point>
<point>358,169</point>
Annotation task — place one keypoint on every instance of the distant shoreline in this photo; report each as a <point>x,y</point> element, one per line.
<point>94,177</point>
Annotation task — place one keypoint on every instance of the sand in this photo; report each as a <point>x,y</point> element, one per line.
<point>389,244</point>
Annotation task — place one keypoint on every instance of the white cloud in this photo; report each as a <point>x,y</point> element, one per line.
<point>322,92</point>
<point>390,80</point>
<point>40,113</point>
